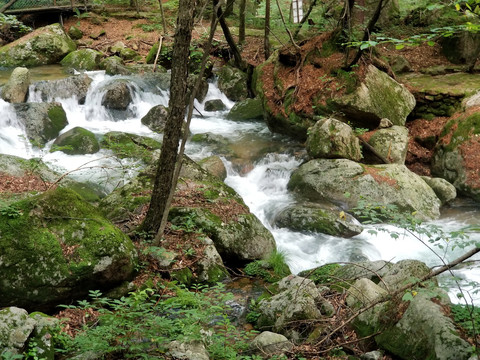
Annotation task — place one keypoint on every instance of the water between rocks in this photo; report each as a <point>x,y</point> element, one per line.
<point>259,165</point>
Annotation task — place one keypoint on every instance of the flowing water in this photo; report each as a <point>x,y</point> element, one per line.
<point>259,165</point>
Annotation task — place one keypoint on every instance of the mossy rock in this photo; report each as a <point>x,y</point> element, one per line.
<point>76,141</point>
<point>44,46</point>
<point>125,145</point>
<point>113,65</point>
<point>75,33</point>
<point>164,58</point>
<point>67,249</point>
<point>248,109</point>
<point>129,54</point>
<point>233,83</point>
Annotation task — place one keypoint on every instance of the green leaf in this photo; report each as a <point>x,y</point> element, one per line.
<point>431,43</point>
<point>364,46</point>
<point>407,297</point>
<point>399,46</point>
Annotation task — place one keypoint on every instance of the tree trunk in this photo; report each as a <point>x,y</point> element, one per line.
<point>177,104</point>
<point>241,26</point>
<point>164,23</point>
<point>266,39</point>
<point>239,63</point>
<point>229,8</point>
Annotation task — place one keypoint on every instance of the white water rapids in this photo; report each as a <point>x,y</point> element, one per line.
<point>263,186</point>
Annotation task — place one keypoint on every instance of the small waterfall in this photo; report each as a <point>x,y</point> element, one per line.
<point>13,140</point>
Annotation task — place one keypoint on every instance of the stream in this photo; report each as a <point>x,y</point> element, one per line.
<point>258,164</point>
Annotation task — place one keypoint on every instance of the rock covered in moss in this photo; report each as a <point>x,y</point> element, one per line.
<point>42,121</point>
<point>269,343</point>
<point>214,105</point>
<point>113,65</point>
<point>333,139</point>
<point>16,88</point>
<point>345,182</point>
<point>125,145</point>
<point>391,143</point>
<point>233,83</point>
<point>461,48</point>
<point>83,59</point>
<point>73,86</point>
<point>77,141</point>
<point>46,45</point>
<point>156,118</point>
<point>377,97</point>
<point>445,191</point>
<point>75,33</point>
<point>67,249</point>
<point>320,218</point>
<point>248,109</point>
<point>455,157</point>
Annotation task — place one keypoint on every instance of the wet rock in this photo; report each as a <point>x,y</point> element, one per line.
<point>114,65</point>
<point>156,118</point>
<point>214,105</point>
<point>125,145</point>
<point>345,182</point>
<point>215,166</point>
<point>76,141</point>
<point>248,109</point>
<point>233,83</point>
<point>445,191</point>
<point>46,45</point>
<point>202,89</point>
<point>83,59</point>
<point>16,88</point>
<point>43,121</point>
<point>117,96</point>
<point>72,86</point>
<point>330,138</point>
<point>322,218</point>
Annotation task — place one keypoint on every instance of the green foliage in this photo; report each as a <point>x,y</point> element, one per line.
<point>144,323</point>
<point>10,211</point>
<point>11,28</point>
<point>323,274</point>
<point>468,317</point>
<point>188,224</point>
<point>272,269</point>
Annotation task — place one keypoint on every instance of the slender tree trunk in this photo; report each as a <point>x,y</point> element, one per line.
<point>177,104</point>
<point>164,23</point>
<point>241,26</point>
<point>7,5</point>
<point>305,18</point>
<point>239,63</point>
<point>266,39</point>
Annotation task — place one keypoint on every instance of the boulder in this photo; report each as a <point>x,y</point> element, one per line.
<point>67,248</point>
<point>75,33</point>
<point>215,166</point>
<point>461,48</point>
<point>42,121</point>
<point>248,109</point>
<point>378,96</point>
<point>445,191</point>
<point>456,155</point>
<point>73,86</point>
<point>125,145</point>
<point>83,59</point>
<point>117,47</point>
<point>400,65</point>
<point>214,105</point>
<point>297,299</point>
<point>333,139</point>
<point>391,143</point>
<point>322,218</point>
<point>156,118</point>
<point>16,88</point>
<point>423,332</point>
<point>269,344</point>
<point>114,65</point>
<point>129,54</point>
<point>117,96</point>
<point>202,90</point>
<point>210,269</point>
<point>233,83</point>
<point>76,141</point>
<point>46,45</point>
<point>347,183</point>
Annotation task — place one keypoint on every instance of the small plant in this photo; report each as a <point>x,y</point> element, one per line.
<point>273,269</point>
<point>11,28</point>
<point>10,211</point>
<point>467,317</point>
<point>360,131</point>
<point>188,224</point>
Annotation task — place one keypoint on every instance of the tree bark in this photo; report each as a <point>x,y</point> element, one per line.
<point>177,104</point>
<point>164,23</point>
<point>266,38</point>
<point>241,26</point>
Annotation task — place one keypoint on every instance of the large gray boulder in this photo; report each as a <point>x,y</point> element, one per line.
<point>298,299</point>
<point>77,141</point>
<point>233,83</point>
<point>73,86</point>
<point>333,139</point>
<point>269,343</point>
<point>46,45</point>
<point>445,191</point>
<point>456,155</point>
<point>16,88</point>
<point>461,48</point>
<point>156,118</point>
<point>378,96</point>
<point>322,218</point>
<point>42,121</point>
<point>347,183</point>
<point>391,143</point>
<point>77,251</point>
<point>83,59</point>
<point>117,96</point>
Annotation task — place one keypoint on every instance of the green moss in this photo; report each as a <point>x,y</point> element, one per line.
<point>183,276</point>
<point>322,275</point>
<point>85,59</point>
<point>125,145</point>
<point>466,127</point>
<point>58,119</point>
